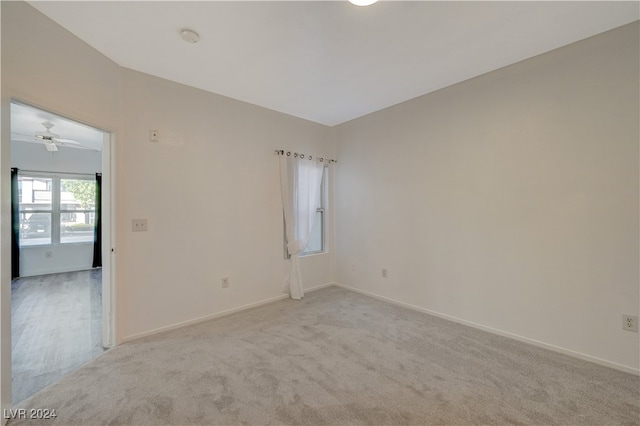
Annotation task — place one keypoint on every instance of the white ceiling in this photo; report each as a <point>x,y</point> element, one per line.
<point>330,61</point>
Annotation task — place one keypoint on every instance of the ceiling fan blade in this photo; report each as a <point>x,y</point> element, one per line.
<point>84,147</point>
<point>66,141</point>
<point>72,144</point>
<point>17,134</point>
<point>50,146</point>
<point>19,138</point>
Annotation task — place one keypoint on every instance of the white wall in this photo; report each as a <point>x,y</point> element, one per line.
<point>210,192</point>
<point>509,201</point>
<point>64,257</point>
<point>5,247</point>
<point>230,225</point>
<point>77,82</point>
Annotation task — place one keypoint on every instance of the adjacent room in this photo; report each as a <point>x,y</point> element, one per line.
<point>321,213</point>
<point>56,287</point>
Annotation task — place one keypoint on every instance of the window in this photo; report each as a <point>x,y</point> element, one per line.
<point>56,210</point>
<point>316,240</point>
<point>35,195</point>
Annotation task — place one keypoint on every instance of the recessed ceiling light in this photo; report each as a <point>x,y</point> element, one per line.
<point>189,36</point>
<point>362,2</point>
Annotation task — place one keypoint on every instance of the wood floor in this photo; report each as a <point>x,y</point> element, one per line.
<point>56,325</point>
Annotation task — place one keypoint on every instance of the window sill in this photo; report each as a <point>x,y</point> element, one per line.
<point>35,246</point>
<point>315,253</point>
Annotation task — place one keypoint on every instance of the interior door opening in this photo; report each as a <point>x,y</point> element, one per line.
<point>61,288</point>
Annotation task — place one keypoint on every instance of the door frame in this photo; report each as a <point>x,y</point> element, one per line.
<point>108,240</point>
<point>109,336</point>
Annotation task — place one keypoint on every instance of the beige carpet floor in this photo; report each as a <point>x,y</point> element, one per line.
<point>337,358</point>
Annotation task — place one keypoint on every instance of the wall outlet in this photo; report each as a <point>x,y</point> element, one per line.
<point>630,323</point>
<point>139,225</point>
<point>154,135</point>
<point>384,272</point>
<point>225,282</point>
<point>48,254</point>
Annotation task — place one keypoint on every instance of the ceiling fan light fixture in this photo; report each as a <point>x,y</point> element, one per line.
<point>189,36</point>
<point>47,134</point>
<point>362,2</point>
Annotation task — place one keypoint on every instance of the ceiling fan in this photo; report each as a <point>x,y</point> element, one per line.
<point>50,140</point>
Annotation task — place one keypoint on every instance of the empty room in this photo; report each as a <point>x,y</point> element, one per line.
<point>319,212</point>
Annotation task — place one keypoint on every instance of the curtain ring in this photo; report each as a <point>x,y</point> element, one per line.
<point>289,154</point>
<point>302,156</point>
<point>321,159</point>
<point>310,157</point>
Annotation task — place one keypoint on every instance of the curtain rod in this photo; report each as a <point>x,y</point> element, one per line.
<point>55,173</point>
<point>303,156</point>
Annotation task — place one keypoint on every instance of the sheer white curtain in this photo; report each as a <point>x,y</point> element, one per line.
<point>300,184</point>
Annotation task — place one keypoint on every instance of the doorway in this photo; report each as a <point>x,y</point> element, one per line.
<point>61,263</point>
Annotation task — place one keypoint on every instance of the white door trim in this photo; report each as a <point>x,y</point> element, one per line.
<point>108,240</point>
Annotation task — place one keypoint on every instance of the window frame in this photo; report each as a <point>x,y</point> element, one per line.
<point>56,210</point>
<point>22,213</point>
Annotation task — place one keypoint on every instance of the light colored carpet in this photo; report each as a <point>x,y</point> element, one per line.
<point>340,358</point>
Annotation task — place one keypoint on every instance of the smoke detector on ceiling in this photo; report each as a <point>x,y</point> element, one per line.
<point>362,2</point>
<point>189,36</point>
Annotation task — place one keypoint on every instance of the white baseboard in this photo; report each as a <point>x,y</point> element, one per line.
<point>219,314</point>
<point>318,287</point>
<point>58,270</point>
<point>523,339</point>
<point>204,318</point>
